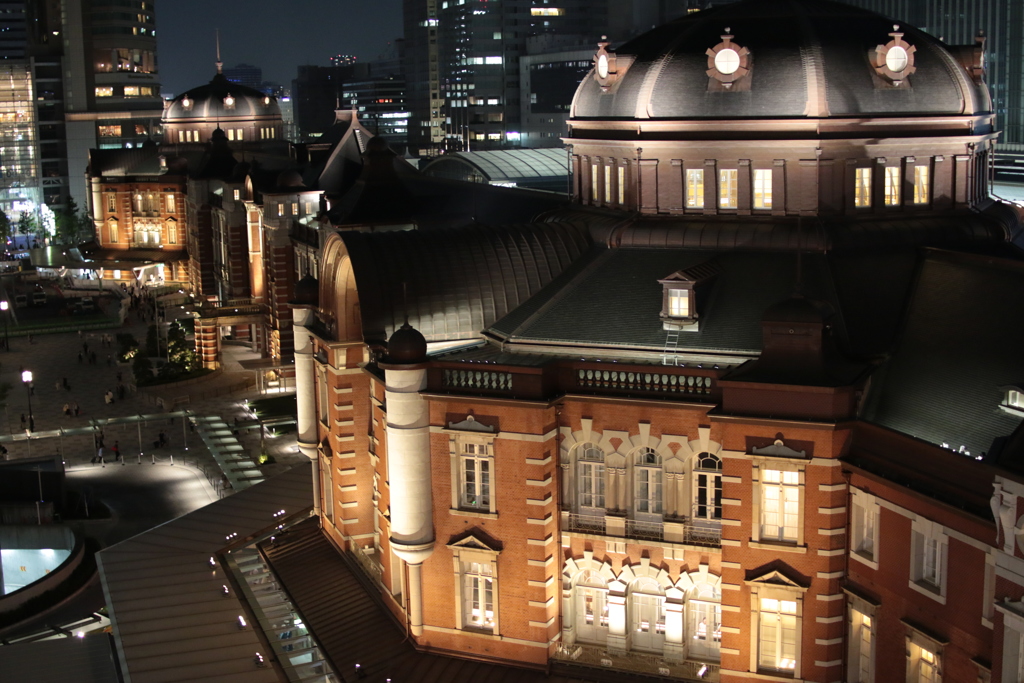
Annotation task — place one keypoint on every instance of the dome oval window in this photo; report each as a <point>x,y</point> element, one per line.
<point>229,101</point>
<point>602,66</point>
<point>727,61</point>
<point>186,103</point>
<point>896,59</point>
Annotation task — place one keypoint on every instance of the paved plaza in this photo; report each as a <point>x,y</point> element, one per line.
<point>54,358</point>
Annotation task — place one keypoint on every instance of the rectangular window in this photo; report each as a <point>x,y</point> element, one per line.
<point>727,188</point>
<point>238,194</point>
<point>172,233</point>
<point>892,186</point>
<point>864,526</point>
<point>231,134</point>
<point>110,131</point>
<point>131,91</point>
<point>607,184</point>
<point>476,476</point>
<point>593,184</point>
<point>591,484</point>
<point>181,136</point>
<point>111,203</point>
<point>679,303</point>
<point>695,188</point>
<point>280,210</point>
<point>762,188</point>
<point>112,229</point>
<point>780,509</point>
<point>104,91</point>
<point>920,184</point>
<point>622,185</point>
<point>929,549</point>
<point>170,203</point>
<point>777,635</point>
<point>295,208</point>
<point>861,647</point>
<point>478,596</point>
<point>931,567</point>
<point>862,187</point>
<point>239,134</point>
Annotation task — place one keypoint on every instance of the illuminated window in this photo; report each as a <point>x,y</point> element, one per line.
<point>593,183</point>
<point>777,634</point>
<point>920,184</point>
<point>892,186</point>
<point>493,60</point>
<point>170,203</point>
<point>146,91</point>
<point>780,505</point>
<point>280,209</point>
<point>591,600</point>
<point>727,188</point>
<point>547,11</point>
<point>172,231</point>
<point>590,471</point>
<point>862,187</point>
<point>679,303</point>
<point>110,131</point>
<point>111,203</point>
<point>140,129</point>
<point>131,91</point>
<point>478,596</point>
<point>181,136</point>
<point>607,184</point>
<point>647,479</point>
<point>105,91</point>
<point>762,188</point>
<point>112,230</point>
<point>707,483</point>
<point>695,188</point>
<point>239,134</point>
<point>295,208</point>
<point>238,194</point>
<point>622,185</point>
<point>475,466</point>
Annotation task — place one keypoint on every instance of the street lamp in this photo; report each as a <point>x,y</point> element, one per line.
<point>26,379</point>
<point>4,305</point>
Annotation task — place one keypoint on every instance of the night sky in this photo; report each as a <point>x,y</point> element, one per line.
<point>276,35</point>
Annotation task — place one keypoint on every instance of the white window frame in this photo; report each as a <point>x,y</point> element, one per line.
<point>607,184</point>
<point>648,485</point>
<point>590,583</point>
<point>712,486</point>
<point>862,631</point>
<point>922,186</point>
<point>704,598</point>
<point>476,448</point>
<point>761,490</point>
<point>637,597</point>
<point>463,559</point>
<point>695,188</point>
<point>760,590</point>
<point>865,515</point>
<point>728,188</point>
<point>593,470</point>
<point>593,182</point>
<point>678,302</point>
<point>1013,640</point>
<point>622,185</point>
<point>862,187</point>
<point>929,553</point>
<point>762,188</point>
<point>893,178</point>
<point>924,657</point>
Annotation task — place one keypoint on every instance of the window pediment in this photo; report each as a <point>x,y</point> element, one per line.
<point>682,292</point>
<point>470,424</point>
<point>779,450</point>
<point>475,540</point>
<point>776,578</point>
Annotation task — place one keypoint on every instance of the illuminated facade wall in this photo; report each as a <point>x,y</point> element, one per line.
<point>20,188</point>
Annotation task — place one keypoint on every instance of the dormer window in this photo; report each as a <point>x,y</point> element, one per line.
<point>680,295</point>
<point>1013,400</point>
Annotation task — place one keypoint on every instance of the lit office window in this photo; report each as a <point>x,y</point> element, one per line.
<point>892,186</point>
<point>920,184</point>
<point>763,188</point>
<point>862,187</point>
<point>727,190</point>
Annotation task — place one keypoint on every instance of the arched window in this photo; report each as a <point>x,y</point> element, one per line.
<point>707,482</point>
<point>591,600</point>
<point>647,475</point>
<point>171,229</point>
<point>704,617</point>
<point>590,472</point>
<point>647,615</point>
<point>112,231</point>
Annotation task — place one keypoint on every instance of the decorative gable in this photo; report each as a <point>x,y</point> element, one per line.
<point>683,295</point>
<point>471,425</point>
<point>775,578</point>
<point>779,450</point>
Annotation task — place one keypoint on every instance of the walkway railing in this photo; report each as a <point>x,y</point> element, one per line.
<point>673,529</point>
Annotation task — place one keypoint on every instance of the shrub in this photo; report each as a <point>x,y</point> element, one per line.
<point>142,369</point>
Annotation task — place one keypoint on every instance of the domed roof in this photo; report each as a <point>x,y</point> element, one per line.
<point>779,58</point>
<point>221,99</point>
<point>406,345</point>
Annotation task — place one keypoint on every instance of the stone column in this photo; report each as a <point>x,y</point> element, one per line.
<point>305,394</point>
<point>617,628</point>
<point>674,627</point>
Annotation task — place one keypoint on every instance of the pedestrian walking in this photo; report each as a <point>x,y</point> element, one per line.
<point>74,407</point>
<point>99,453</point>
<point>24,422</point>
<point>67,410</point>
<point>117,452</point>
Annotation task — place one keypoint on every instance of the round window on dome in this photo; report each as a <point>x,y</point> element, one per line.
<point>896,59</point>
<point>602,66</point>
<point>727,61</point>
<point>229,101</point>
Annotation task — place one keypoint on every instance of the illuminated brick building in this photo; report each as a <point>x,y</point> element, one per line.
<point>735,413</point>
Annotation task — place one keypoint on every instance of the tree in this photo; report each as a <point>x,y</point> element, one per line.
<point>179,350</point>
<point>5,227</point>
<point>27,224</point>
<point>67,221</point>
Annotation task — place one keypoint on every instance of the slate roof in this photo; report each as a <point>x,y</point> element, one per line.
<point>546,169</point>
<point>961,341</point>
<point>614,299</point>
<point>459,281</point>
<point>793,43</point>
